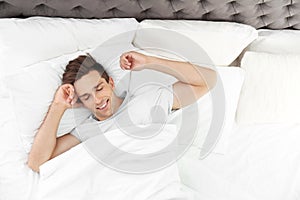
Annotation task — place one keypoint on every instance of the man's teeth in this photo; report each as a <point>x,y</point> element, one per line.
<point>103,105</point>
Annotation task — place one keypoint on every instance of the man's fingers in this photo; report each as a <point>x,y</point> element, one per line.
<point>75,97</point>
<point>69,92</point>
<point>124,65</point>
<point>128,58</point>
<point>67,85</point>
<point>73,101</point>
<point>126,61</point>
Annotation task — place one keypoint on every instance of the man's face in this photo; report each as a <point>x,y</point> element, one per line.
<point>96,94</point>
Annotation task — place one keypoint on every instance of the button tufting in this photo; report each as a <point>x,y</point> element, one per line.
<point>146,10</point>
<point>42,6</point>
<point>79,7</point>
<point>4,5</point>
<point>113,9</point>
<point>178,11</point>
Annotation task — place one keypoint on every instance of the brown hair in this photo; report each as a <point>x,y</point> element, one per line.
<point>81,66</point>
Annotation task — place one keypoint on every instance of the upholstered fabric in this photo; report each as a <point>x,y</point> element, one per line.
<point>273,14</point>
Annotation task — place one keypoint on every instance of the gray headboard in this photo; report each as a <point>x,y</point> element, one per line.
<point>272,14</point>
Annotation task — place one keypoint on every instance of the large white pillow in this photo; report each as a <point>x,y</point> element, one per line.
<point>222,41</point>
<point>27,41</point>
<point>270,93</point>
<point>92,33</point>
<point>32,89</point>
<point>232,79</point>
<point>276,41</point>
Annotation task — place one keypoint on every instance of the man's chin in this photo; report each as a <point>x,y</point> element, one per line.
<point>102,117</point>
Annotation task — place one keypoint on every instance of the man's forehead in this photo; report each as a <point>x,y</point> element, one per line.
<point>87,82</point>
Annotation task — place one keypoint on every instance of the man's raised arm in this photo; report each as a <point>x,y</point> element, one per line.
<point>45,141</point>
<point>193,81</point>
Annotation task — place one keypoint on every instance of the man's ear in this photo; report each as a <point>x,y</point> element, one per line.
<point>111,82</point>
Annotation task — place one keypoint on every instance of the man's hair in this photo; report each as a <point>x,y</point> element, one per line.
<point>81,66</point>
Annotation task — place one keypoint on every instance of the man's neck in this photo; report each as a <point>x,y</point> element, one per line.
<point>117,103</point>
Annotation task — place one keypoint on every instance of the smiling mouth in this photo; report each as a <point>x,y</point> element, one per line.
<point>103,106</point>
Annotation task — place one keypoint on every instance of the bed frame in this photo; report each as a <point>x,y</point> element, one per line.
<point>271,14</point>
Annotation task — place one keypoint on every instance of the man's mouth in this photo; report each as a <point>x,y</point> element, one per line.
<point>103,106</point>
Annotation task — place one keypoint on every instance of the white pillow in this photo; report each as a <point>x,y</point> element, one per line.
<point>32,90</point>
<point>222,41</point>
<point>232,79</point>
<point>92,33</point>
<point>270,91</point>
<point>276,41</point>
<point>27,41</point>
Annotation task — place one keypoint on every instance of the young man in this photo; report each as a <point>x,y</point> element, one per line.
<point>86,83</point>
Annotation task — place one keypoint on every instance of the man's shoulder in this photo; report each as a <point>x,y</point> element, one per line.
<point>148,88</point>
<point>86,121</point>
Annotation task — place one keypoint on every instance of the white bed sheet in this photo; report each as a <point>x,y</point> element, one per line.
<point>262,163</point>
<point>17,181</point>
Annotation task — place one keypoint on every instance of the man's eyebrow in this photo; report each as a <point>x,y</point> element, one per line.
<point>94,88</point>
<point>98,85</point>
<point>82,95</point>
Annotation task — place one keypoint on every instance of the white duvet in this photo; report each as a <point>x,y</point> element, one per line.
<point>262,163</point>
<point>76,174</point>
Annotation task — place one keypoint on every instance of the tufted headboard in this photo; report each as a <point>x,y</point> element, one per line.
<point>272,14</point>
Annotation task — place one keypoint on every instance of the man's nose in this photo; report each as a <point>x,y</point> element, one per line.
<point>97,98</point>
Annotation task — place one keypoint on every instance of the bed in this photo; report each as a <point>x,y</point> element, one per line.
<point>240,141</point>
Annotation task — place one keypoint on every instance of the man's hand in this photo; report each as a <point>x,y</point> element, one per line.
<point>66,97</point>
<point>133,61</point>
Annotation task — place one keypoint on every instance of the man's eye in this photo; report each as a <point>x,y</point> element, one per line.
<point>86,98</point>
<point>99,89</point>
